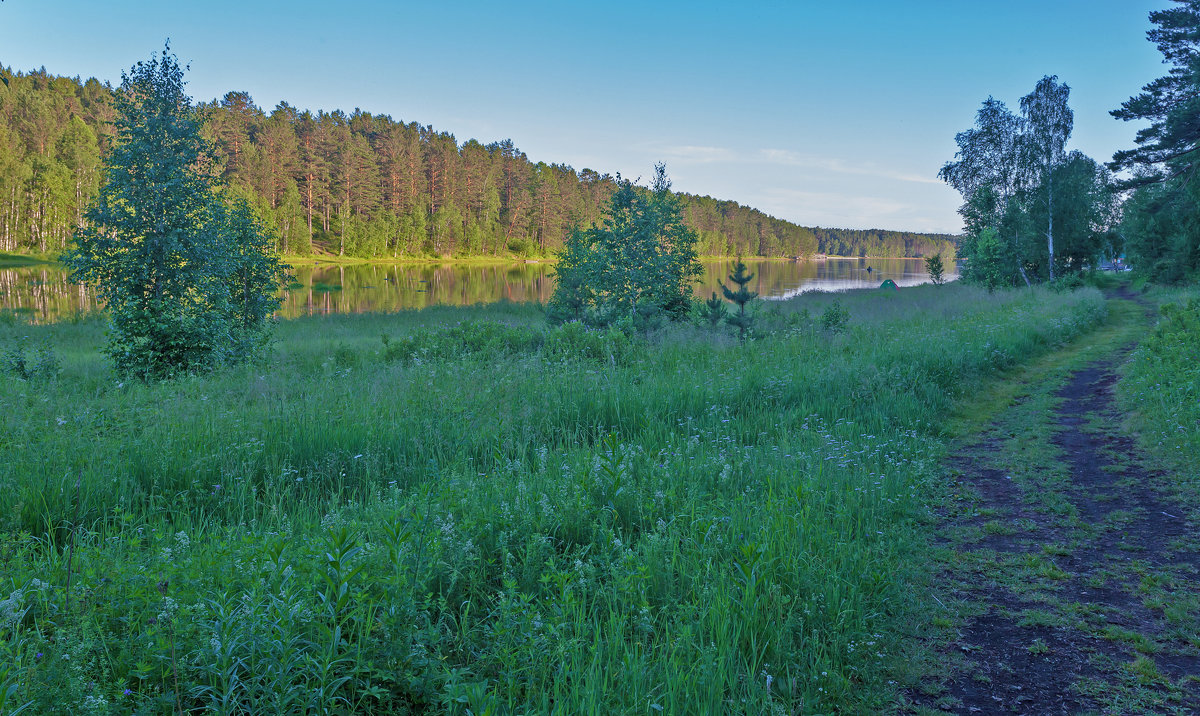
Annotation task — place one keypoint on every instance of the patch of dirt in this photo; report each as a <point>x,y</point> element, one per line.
<point>1021,669</point>
<point>1038,669</point>
<point>1095,492</point>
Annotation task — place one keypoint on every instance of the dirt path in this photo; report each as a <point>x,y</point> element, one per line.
<point>1074,570</point>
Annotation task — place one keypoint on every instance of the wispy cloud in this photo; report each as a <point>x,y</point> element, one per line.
<point>840,203</point>
<point>698,154</point>
<point>795,159</point>
<point>823,208</point>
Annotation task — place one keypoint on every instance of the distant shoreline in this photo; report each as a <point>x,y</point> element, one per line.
<point>12,260</point>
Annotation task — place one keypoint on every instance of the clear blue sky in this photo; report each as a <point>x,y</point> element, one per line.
<point>823,113</point>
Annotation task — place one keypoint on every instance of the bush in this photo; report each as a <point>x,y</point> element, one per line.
<point>1162,384</point>
<point>43,365</point>
<point>835,318</point>
<point>638,266</point>
<point>576,342</point>
<point>1068,282</point>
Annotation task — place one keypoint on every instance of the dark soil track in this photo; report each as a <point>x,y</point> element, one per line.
<point>1075,566</point>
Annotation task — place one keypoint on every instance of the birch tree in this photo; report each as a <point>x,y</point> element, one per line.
<point>1049,122</point>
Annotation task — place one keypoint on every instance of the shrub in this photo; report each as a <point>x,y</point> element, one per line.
<point>576,342</point>
<point>835,318</point>
<point>43,365</point>
<point>638,265</point>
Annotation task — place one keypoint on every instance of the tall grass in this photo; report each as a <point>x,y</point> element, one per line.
<point>567,525</point>
<point>1161,385</point>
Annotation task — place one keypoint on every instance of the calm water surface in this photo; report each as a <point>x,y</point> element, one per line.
<point>43,293</point>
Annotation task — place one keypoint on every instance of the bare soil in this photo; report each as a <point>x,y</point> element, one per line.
<point>1080,580</point>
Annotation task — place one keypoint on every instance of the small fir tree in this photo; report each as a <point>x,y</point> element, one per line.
<point>713,310</point>
<point>741,320</point>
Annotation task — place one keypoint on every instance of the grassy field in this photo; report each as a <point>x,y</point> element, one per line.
<point>1161,386</point>
<point>459,510</point>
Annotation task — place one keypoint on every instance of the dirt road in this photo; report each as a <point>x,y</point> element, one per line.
<point>1070,561</point>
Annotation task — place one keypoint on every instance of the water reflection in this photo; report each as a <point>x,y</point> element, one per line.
<point>43,293</point>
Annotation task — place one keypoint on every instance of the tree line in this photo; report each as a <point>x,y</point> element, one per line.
<point>1034,211</point>
<point>360,184</point>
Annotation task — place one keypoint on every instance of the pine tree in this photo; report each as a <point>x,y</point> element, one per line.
<point>741,320</point>
<point>714,310</point>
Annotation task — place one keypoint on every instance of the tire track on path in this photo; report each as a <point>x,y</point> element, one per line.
<point>1074,572</point>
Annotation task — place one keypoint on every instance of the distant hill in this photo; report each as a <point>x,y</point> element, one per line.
<point>361,184</point>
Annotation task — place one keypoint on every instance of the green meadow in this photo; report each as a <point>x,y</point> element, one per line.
<point>462,510</point>
<point>1161,386</point>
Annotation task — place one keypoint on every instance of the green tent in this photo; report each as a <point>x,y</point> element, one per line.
<point>889,284</point>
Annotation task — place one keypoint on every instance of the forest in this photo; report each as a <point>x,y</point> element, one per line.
<point>361,185</point>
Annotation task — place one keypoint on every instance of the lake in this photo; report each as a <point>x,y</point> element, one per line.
<point>42,293</point>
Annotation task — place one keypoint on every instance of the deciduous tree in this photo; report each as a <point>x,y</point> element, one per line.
<point>639,263</point>
<point>187,280</point>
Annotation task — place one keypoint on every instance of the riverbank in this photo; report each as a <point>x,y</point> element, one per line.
<point>476,511</point>
<point>8,260</point>
<point>12,260</point>
<point>44,292</point>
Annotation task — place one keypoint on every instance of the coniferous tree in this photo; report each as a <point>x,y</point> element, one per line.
<point>1161,219</point>
<point>400,187</point>
<point>741,320</point>
<point>714,310</point>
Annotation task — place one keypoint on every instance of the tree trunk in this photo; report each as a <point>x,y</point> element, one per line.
<point>1050,218</point>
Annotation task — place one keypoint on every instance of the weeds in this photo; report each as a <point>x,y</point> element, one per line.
<point>483,514</point>
<point>42,365</point>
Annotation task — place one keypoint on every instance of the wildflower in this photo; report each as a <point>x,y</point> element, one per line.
<point>127,692</point>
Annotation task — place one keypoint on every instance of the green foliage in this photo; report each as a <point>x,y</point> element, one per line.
<point>576,342</point>
<point>1160,224</point>
<point>42,365</point>
<point>713,310</point>
<point>486,340</point>
<point>641,263</point>
<point>358,184</point>
<point>935,269</point>
<point>741,320</point>
<point>989,262</point>
<point>1053,211</point>
<point>1167,148</point>
<point>586,535</point>
<point>492,340</point>
<point>835,318</point>
<point>186,278</point>
<point>1162,383</point>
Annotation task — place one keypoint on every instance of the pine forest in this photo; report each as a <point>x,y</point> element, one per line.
<point>362,185</point>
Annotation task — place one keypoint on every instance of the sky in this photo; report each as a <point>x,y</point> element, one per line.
<point>835,114</point>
